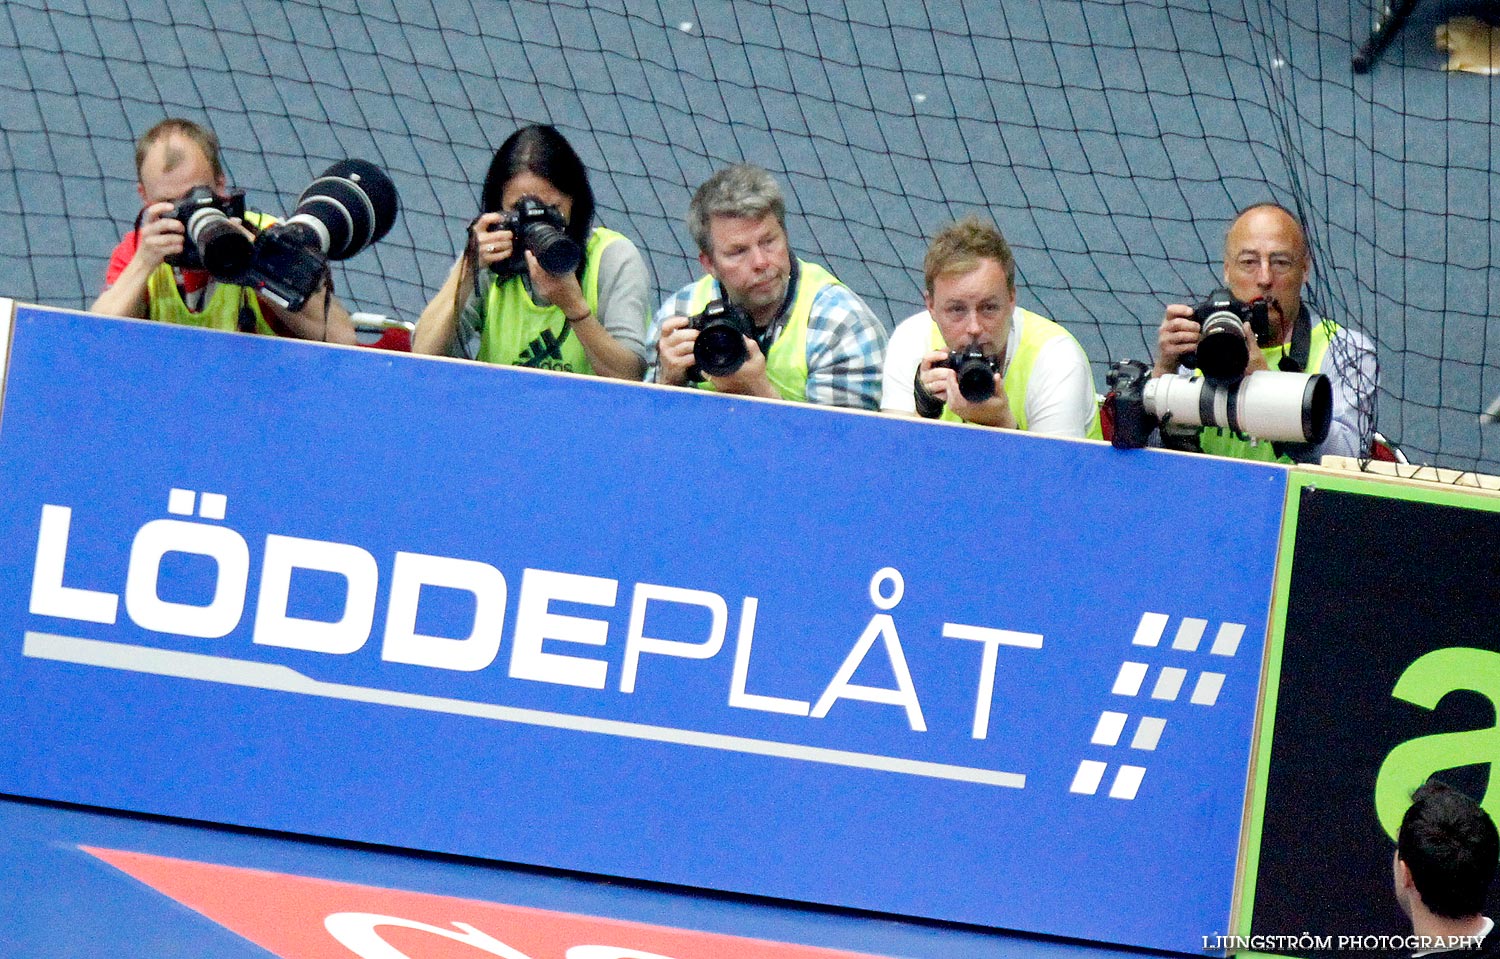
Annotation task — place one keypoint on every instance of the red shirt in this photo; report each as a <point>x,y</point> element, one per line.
<point>192,280</point>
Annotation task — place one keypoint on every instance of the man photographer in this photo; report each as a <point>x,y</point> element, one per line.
<point>172,159</point>
<point>973,355</point>
<point>796,332</point>
<point>1446,851</point>
<point>1266,256</point>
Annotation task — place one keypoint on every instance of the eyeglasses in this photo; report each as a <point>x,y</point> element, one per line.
<point>1280,263</point>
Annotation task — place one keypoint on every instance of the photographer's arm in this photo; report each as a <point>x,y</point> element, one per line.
<point>1353,370</point>
<point>942,382</point>
<point>903,361</point>
<point>606,354</point>
<point>437,328</point>
<point>156,240</point>
<point>314,322</point>
<point>846,349</point>
<point>611,339</point>
<point>674,340</point>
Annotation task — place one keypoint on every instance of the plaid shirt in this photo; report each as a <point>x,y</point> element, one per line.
<point>845,345</point>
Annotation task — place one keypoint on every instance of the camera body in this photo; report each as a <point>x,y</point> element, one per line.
<point>287,266</point>
<point>542,229</point>
<point>1126,402</point>
<point>976,371</point>
<point>211,242</point>
<point>720,347</point>
<point>1223,351</point>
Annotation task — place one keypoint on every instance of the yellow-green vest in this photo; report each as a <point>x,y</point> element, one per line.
<point>1222,442</point>
<point>1036,332</point>
<point>518,332</point>
<point>786,360</point>
<point>221,312</point>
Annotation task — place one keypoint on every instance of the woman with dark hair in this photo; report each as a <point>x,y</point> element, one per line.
<point>537,283</point>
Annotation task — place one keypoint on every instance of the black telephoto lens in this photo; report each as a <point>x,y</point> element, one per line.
<point>225,250</point>
<point>554,250</point>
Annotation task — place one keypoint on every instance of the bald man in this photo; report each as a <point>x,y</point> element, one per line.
<point>1266,255</point>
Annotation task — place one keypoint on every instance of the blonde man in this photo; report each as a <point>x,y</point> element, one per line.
<point>1041,381</point>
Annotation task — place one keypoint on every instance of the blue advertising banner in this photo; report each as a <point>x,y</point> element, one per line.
<point>271,895</point>
<point>823,656</point>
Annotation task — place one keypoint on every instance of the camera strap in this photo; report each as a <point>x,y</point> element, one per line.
<point>773,330</point>
<point>247,315</point>
<point>1294,360</point>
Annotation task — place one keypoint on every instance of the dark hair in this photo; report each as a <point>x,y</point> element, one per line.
<point>1449,843</point>
<point>542,151</point>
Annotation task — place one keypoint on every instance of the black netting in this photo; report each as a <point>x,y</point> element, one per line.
<point>1110,139</point>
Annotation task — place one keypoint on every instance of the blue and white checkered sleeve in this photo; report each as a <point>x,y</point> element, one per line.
<point>1354,371</point>
<point>845,351</point>
<point>675,305</point>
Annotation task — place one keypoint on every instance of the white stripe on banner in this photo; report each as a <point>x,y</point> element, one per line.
<point>239,672</point>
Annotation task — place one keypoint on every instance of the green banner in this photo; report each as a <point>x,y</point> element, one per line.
<point>1383,668</point>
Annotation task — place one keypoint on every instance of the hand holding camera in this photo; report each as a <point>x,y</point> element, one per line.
<point>159,237</point>
<point>532,227</point>
<point>968,381</point>
<point>1222,336</point>
<point>725,334</point>
<point>529,240</point>
<point>717,343</point>
<point>1227,328</point>
<point>178,232</point>
<point>1222,339</point>
<point>214,237</point>
<point>493,243</point>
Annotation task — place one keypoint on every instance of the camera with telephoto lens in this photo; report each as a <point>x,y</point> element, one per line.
<point>346,209</point>
<point>1267,405</point>
<point>540,228</point>
<point>720,347</point>
<point>1222,350</point>
<point>211,242</point>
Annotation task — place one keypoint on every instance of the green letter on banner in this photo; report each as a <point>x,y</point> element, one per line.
<point>1424,684</point>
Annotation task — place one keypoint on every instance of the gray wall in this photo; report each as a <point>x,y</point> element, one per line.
<point>1110,140</point>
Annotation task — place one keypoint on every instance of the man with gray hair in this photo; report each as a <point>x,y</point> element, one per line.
<point>806,336</point>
